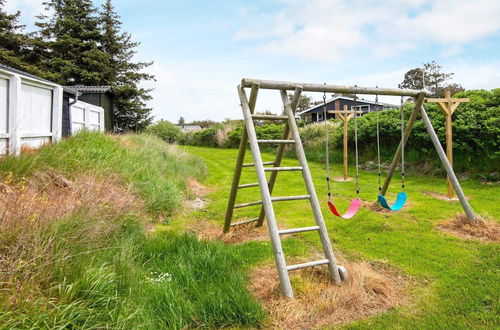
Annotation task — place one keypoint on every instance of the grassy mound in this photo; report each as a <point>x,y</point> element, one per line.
<point>76,253</point>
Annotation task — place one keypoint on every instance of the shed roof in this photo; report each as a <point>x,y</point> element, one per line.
<point>23,73</point>
<point>92,89</point>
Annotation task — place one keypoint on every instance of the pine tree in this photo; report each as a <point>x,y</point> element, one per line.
<point>125,75</point>
<point>72,36</point>
<point>16,47</point>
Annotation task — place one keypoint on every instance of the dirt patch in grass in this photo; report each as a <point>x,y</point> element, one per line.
<point>199,191</point>
<point>484,230</point>
<point>124,141</point>
<point>376,207</point>
<point>341,179</point>
<point>371,289</point>
<point>238,234</point>
<point>442,197</point>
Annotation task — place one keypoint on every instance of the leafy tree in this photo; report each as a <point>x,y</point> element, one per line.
<point>123,74</point>
<point>72,37</point>
<point>166,131</point>
<point>431,78</point>
<point>181,121</point>
<point>304,102</point>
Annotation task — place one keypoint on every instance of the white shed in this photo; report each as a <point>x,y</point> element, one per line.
<point>30,111</point>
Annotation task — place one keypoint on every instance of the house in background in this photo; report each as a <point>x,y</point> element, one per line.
<point>316,112</point>
<point>101,96</point>
<point>189,128</point>
<point>32,111</point>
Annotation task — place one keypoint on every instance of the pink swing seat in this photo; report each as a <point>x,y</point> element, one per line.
<point>351,211</point>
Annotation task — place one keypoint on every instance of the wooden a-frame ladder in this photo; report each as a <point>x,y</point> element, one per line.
<point>290,136</point>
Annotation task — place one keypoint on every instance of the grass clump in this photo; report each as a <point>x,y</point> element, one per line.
<point>155,170</point>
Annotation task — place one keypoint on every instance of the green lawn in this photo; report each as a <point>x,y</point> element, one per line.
<point>458,280</point>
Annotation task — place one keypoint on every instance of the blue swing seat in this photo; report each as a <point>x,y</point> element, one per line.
<point>398,205</point>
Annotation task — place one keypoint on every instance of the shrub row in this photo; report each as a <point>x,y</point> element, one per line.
<point>476,134</point>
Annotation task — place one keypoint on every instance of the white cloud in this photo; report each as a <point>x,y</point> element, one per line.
<point>326,30</point>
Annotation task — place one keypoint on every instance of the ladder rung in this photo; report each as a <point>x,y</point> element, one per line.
<point>239,206</point>
<point>273,169</point>
<point>297,230</point>
<point>276,141</point>
<point>248,185</point>
<point>269,117</point>
<point>307,264</point>
<point>244,222</point>
<point>290,198</point>
<point>253,164</point>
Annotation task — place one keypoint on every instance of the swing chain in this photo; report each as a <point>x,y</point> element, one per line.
<point>356,140</point>
<point>327,156</point>
<point>402,146</point>
<point>378,145</point>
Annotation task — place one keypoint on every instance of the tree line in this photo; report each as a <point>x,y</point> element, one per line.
<point>75,43</point>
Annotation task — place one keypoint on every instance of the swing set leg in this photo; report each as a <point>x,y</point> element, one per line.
<point>397,156</point>
<point>439,149</point>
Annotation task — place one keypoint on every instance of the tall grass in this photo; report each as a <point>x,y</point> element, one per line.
<point>76,250</point>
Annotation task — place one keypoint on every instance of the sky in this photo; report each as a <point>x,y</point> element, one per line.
<point>202,49</point>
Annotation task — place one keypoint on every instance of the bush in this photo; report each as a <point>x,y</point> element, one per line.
<point>476,134</point>
<point>166,131</point>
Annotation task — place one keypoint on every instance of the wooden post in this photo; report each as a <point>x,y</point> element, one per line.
<point>397,155</point>
<point>447,105</point>
<point>447,166</point>
<point>239,162</point>
<point>345,115</point>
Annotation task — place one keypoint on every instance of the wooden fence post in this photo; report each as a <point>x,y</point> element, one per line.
<point>447,105</point>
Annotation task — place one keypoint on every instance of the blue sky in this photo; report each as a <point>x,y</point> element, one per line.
<point>202,49</point>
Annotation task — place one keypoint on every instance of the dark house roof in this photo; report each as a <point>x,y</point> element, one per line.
<point>91,89</point>
<point>337,97</point>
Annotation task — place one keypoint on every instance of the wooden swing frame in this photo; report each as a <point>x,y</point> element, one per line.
<point>418,95</point>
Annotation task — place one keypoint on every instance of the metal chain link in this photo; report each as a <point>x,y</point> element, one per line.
<point>356,141</point>
<point>378,146</point>
<point>327,149</point>
<point>402,146</point>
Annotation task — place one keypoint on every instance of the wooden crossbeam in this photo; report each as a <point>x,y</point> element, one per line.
<point>448,105</point>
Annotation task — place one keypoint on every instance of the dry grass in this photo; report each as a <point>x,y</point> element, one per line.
<point>238,234</point>
<point>442,197</point>
<point>30,208</point>
<point>341,179</point>
<point>206,230</point>
<point>376,207</point>
<point>371,289</point>
<point>222,134</point>
<point>483,230</point>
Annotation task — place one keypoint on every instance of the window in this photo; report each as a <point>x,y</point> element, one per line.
<point>320,116</point>
<point>365,108</point>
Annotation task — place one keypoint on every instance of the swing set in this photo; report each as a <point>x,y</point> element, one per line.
<point>291,136</point>
<point>355,204</point>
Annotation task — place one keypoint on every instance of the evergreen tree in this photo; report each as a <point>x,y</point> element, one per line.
<point>72,37</point>
<point>16,47</point>
<point>125,75</point>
